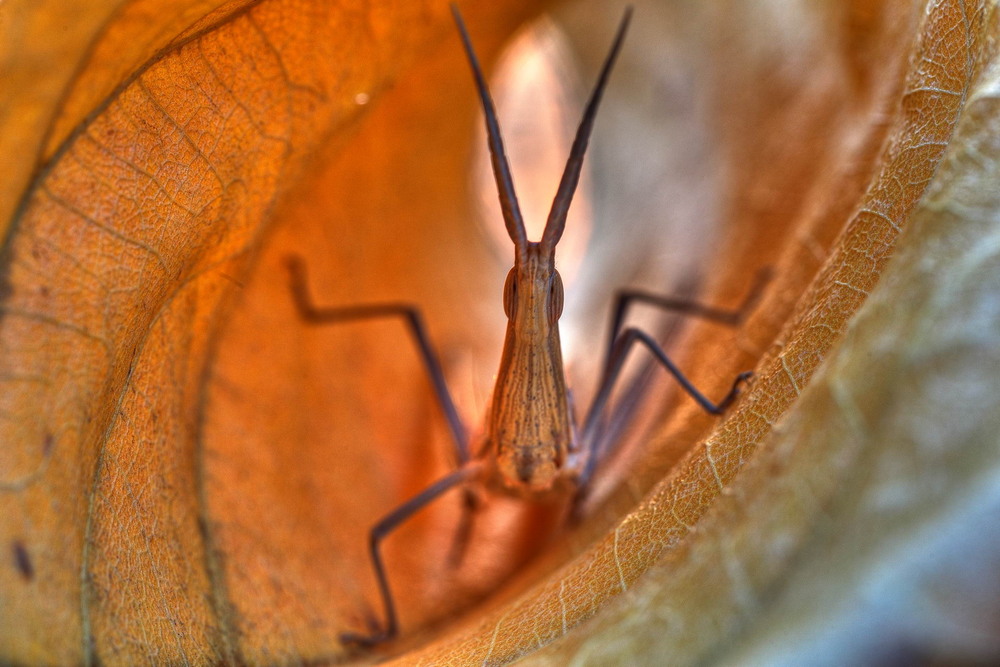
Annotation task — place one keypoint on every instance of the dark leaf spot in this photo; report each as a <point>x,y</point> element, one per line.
<point>23,561</point>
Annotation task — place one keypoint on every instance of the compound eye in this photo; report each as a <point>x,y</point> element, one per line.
<point>555,298</point>
<point>510,294</point>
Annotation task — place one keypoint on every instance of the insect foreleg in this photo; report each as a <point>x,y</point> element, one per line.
<point>384,527</point>
<point>688,307</point>
<point>414,322</point>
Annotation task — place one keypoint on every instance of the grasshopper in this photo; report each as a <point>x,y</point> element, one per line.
<point>532,448</point>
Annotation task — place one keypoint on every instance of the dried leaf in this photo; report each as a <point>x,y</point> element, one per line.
<point>119,268</point>
<point>192,470</point>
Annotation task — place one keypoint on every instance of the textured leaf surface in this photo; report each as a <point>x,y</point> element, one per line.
<point>117,271</point>
<point>188,471</point>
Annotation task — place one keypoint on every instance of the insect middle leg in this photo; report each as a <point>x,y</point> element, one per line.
<point>621,342</point>
<point>467,469</point>
<point>384,527</point>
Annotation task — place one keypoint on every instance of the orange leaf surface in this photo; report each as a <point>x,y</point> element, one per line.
<point>118,267</point>
<point>189,470</point>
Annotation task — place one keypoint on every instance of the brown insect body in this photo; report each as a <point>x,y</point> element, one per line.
<point>529,433</point>
<point>531,447</point>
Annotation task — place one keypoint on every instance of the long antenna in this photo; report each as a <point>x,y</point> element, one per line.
<point>501,168</point>
<point>571,175</point>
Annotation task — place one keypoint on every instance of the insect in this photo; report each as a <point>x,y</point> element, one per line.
<point>531,448</point>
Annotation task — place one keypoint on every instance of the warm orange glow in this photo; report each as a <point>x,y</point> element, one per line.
<point>539,101</point>
<point>188,471</point>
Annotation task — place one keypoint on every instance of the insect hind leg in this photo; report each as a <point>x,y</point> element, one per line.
<point>472,502</point>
